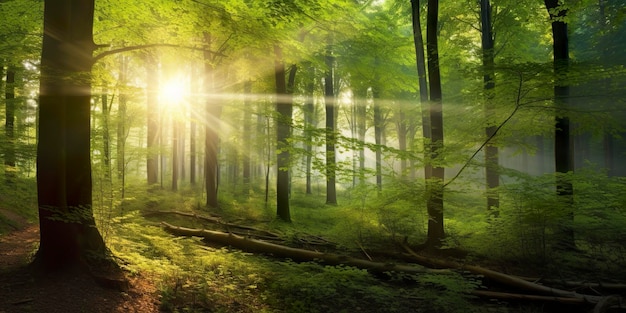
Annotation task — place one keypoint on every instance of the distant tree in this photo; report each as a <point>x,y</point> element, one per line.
<point>67,228</point>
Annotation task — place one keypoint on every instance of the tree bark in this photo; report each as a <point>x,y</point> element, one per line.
<point>434,202</point>
<point>213,111</point>
<point>67,227</point>
<point>309,124</point>
<point>492,175</point>
<point>247,136</point>
<point>423,85</point>
<point>9,125</point>
<point>563,154</point>
<point>329,102</point>
<point>153,118</point>
<point>283,132</point>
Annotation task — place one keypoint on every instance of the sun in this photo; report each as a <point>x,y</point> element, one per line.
<point>172,93</point>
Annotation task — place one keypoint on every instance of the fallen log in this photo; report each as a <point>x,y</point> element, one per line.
<point>525,297</point>
<point>505,279</point>
<point>262,232</point>
<point>251,245</point>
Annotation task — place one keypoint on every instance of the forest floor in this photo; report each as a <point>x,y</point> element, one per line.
<point>65,292</point>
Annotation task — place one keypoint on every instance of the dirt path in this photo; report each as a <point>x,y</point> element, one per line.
<point>65,292</point>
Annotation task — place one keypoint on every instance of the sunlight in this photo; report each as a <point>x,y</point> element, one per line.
<point>173,93</point>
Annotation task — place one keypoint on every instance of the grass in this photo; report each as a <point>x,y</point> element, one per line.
<point>194,277</point>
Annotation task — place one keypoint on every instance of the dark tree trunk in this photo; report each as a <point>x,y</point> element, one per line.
<point>67,227</point>
<point>329,101</point>
<point>283,131</point>
<point>563,159</point>
<point>423,85</point>
<point>434,202</point>
<point>153,118</point>
<point>213,111</point>
<point>491,151</point>
<point>9,126</point>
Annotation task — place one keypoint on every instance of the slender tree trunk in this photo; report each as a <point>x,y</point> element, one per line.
<point>563,155</point>
<point>175,155</point>
<point>153,118</point>
<point>67,227</point>
<point>9,126</point>
<point>309,124</point>
<point>192,152</point>
<point>491,151</point>
<point>283,130</point>
<point>122,129</point>
<point>361,126</point>
<point>329,100</point>
<point>378,138</point>
<point>213,111</point>
<point>403,131</point>
<point>247,136</point>
<point>423,86</point>
<point>106,135</point>
<point>434,202</point>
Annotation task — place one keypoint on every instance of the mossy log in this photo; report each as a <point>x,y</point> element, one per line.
<point>252,245</point>
<point>509,280</point>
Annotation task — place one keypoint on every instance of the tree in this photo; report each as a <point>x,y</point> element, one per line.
<point>491,151</point>
<point>9,125</point>
<point>434,203</point>
<point>423,83</point>
<point>563,160</point>
<point>67,227</point>
<point>329,101</point>
<point>152,101</point>
<point>284,108</point>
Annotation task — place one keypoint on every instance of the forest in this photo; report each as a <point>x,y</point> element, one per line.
<point>313,156</point>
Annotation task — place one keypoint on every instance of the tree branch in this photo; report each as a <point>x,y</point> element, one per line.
<point>154,45</point>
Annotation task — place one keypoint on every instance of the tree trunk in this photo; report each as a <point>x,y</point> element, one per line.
<point>213,111</point>
<point>9,126</point>
<point>175,155</point>
<point>283,131</point>
<point>122,128</point>
<point>153,118</point>
<point>423,85</point>
<point>247,136</point>
<point>491,151</point>
<point>309,124</point>
<point>378,138</point>
<point>434,202</point>
<point>563,159</point>
<point>329,101</point>
<point>67,227</point>
<point>106,135</point>
<point>361,128</point>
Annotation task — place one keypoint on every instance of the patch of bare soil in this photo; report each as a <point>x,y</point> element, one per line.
<point>64,292</point>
